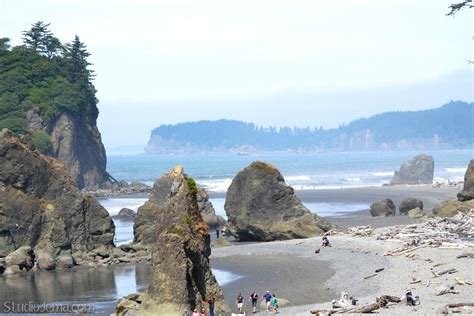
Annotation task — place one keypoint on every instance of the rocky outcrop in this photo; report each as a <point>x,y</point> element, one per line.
<point>417,213</point>
<point>77,144</point>
<point>42,208</point>
<point>207,210</point>
<point>468,191</point>
<point>419,170</point>
<point>383,208</point>
<point>409,204</point>
<point>261,206</point>
<point>163,188</point>
<point>451,208</point>
<point>127,213</point>
<point>182,276</point>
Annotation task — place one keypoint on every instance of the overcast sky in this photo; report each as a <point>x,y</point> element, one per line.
<point>294,62</point>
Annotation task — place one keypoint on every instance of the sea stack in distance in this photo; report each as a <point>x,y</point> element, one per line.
<point>44,215</point>
<point>419,170</point>
<point>468,191</point>
<point>260,206</point>
<point>182,277</point>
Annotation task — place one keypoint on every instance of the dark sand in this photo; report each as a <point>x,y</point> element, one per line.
<point>298,280</point>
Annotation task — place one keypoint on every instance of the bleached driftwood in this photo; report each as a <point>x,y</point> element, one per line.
<point>447,309</point>
<point>440,273</point>
<point>446,289</point>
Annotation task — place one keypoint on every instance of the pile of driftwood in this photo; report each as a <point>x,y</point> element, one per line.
<point>345,305</point>
<point>445,233</point>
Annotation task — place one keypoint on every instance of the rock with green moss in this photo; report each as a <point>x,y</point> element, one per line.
<point>451,208</point>
<point>260,206</point>
<point>171,225</point>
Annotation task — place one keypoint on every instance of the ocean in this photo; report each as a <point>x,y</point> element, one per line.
<point>303,171</point>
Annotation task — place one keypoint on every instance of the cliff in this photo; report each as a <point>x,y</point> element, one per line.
<point>43,214</point>
<point>47,93</point>
<point>76,142</point>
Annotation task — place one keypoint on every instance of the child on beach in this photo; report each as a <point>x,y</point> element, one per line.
<point>325,242</point>
<point>274,303</point>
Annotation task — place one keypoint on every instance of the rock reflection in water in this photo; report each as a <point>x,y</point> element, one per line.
<point>102,286</point>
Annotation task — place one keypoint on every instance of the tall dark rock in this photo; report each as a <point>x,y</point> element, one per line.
<point>261,206</point>
<point>41,207</point>
<point>419,170</point>
<point>163,189</point>
<point>182,276</point>
<point>468,191</point>
<point>76,143</point>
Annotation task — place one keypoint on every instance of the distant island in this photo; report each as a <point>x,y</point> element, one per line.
<point>447,127</point>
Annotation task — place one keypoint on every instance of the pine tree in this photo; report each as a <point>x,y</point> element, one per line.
<point>38,37</point>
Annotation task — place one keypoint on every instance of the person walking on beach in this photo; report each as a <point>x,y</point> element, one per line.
<point>274,303</point>
<point>240,302</point>
<point>211,300</point>
<point>254,299</point>
<point>268,299</point>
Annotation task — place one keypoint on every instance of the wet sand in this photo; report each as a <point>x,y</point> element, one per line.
<point>297,279</point>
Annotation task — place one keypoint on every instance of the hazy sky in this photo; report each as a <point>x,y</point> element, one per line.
<point>293,62</point>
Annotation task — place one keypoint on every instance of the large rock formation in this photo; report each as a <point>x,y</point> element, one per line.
<point>419,170</point>
<point>261,206</point>
<point>145,222</point>
<point>42,208</point>
<point>409,204</point>
<point>207,210</point>
<point>76,143</point>
<point>468,191</point>
<point>182,276</point>
<point>383,208</point>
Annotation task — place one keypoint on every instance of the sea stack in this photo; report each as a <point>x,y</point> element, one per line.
<point>43,213</point>
<point>163,189</point>
<point>182,276</point>
<point>468,191</point>
<point>419,170</point>
<point>260,206</point>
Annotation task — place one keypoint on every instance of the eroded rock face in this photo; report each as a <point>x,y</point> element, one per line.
<point>383,208</point>
<point>419,170</point>
<point>261,206</point>
<point>410,204</point>
<point>468,191</point>
<point>163,189</point>
<point>41,207</point>
<point>182,276</point>
<point>77,144</point>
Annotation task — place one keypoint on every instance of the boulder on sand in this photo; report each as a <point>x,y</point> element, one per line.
<point>419,170</point>
<point>468,191</point>
<point>417,213</point>
<point>260,206</point>
<point>451,208</point>
<point>409,204</point>
<point>127,213</point>
<point>383,208</point>
<point>182,276</point>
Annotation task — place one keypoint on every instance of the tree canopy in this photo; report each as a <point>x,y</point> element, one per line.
<point>45,75</point>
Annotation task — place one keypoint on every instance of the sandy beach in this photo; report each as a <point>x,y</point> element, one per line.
<point>310,281</point>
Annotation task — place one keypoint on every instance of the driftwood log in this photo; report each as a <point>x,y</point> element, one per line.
<point>466,255</point>
<point>445,310</point>
<point>446,289</point>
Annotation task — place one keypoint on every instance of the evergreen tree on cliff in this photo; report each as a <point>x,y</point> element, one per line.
<point>47,87</point>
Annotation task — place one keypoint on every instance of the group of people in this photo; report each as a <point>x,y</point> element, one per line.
<point>271,302</point>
